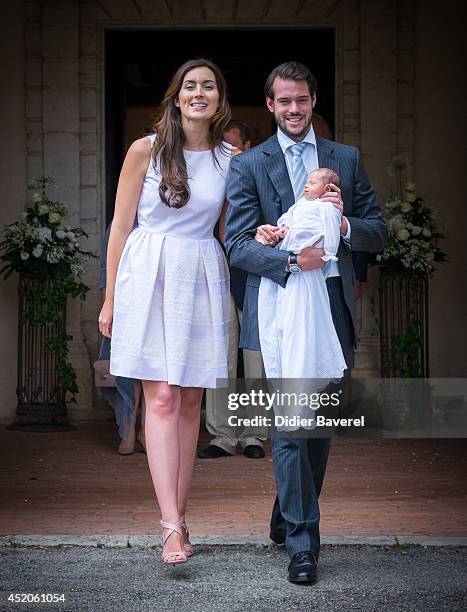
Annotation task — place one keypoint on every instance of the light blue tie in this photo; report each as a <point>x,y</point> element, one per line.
<point>298,169</point>
<point>299,177</point>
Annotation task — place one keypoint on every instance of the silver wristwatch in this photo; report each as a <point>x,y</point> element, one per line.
<point>293,266</point>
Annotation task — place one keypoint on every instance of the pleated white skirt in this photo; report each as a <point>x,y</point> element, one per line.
<point>171,310</point>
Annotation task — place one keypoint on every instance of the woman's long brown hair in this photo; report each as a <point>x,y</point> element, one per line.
<point>167,152</point>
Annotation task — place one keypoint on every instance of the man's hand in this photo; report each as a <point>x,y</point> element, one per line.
<point>282,232</point>
<point>344,226</point>
<point>334,197</point>
<point>310,259</point>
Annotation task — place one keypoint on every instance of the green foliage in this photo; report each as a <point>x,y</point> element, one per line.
<point>66,372</point>
<point>47,252</point>
<point>374,326</point>
<point>408,345</point>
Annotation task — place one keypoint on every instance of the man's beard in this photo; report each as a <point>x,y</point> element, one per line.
<point>291,135</point>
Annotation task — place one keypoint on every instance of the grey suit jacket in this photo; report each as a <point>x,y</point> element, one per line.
<point>259,191</point>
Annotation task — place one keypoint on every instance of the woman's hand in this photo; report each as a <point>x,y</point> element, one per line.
<point>105,318</point>
<point>267,235</point>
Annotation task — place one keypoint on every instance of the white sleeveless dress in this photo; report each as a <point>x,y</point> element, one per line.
<point>171,306</point>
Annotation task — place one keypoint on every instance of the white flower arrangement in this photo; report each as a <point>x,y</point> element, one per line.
<point>41,239</point>
<point>47,252</point>
<point>413,233</point>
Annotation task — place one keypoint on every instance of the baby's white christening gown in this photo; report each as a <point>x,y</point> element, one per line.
<point>297,334</point>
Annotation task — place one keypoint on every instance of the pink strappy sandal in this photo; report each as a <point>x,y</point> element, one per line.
<point>187,546</point>
<point>178,556</point>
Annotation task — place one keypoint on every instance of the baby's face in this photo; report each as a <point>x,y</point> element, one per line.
<point>315,186</point>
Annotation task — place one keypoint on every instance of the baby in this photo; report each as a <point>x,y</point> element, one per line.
<point>297,334</point>
<point>318,183</point>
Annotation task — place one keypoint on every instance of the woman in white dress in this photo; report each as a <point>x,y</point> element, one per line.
<point>167,301</point>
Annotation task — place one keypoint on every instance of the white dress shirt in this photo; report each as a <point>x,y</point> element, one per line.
<point>310,161</point>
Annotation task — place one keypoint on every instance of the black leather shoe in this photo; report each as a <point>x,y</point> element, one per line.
<point>254,451</point>
<point>303,568</point>
<point>277,537</point>
<point>213,452</point>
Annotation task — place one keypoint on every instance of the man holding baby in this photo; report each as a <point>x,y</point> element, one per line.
<point>264,183</point>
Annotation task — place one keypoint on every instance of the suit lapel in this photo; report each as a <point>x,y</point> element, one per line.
<point>277,170</point>
<point>326,157</point>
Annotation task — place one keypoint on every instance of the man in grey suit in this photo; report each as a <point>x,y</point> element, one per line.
<point>260,189</point>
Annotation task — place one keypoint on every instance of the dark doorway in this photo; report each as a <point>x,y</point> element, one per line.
<point>139,65</point>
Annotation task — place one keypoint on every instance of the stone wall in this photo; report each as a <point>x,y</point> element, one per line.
<point>61,123</point>
<point>13,186</point>
<point>440,165</point>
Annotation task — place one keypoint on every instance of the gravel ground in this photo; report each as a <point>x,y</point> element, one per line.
<point>237,578</point>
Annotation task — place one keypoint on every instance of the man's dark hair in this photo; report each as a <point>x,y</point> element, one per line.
<point>242,127</point>
<point>290,71</point>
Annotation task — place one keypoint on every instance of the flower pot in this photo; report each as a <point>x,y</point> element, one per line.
<point>41,400</point>
<point>403,324</point>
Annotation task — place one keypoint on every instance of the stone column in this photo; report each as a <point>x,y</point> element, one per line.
<point>13,183</point>
<point>378,77</point>
<point>92,161</point>
<point>61,152</point>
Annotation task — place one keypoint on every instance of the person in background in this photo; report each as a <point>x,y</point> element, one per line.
<point>238,134</point>
<point>227,437</point>
<point>126,397</point>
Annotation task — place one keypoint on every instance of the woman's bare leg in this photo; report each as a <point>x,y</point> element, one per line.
<point>163,450</point>
<point>188,435</point>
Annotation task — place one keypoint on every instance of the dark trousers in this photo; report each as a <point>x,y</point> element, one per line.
<point>300,463</point>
